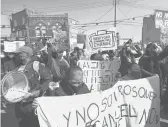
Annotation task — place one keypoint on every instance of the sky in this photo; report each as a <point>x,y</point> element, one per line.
<point>89,11</point>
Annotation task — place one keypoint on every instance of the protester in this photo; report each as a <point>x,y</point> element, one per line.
<point>39,78</point>
<point>152,61</point>
<point>81,55</point>
<point>111,55</point>
<point>77,54</point>
<point>10,62</point>
<point>76,49</point>
<point>64,65</point>
<point>164,101</point>
<point>56,62</point>
<point>73,59</point>
<point>127,56</point>
<point>148,61</point>
<point>164,70</point>
<point>135,72</point>
<point>72,84</point>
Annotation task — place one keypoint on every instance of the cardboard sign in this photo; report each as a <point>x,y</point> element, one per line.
<point>101,40</point>
<point>99,75</point>
<point>127,104</point>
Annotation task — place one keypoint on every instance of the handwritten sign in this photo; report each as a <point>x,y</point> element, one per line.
<point>9,46</point>
<point>101,40</point>
<point>99,75</point>
<point>12,46</point>
<point>129,103</point>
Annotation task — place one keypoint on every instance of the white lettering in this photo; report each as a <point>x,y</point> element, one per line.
<point>166,23</point>
<point>159,23</point>
<point>166,16</point>
<point>159,14</point>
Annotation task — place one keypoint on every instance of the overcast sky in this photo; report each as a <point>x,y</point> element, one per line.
<point>86,11</point>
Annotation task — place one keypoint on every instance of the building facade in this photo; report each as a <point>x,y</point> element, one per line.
<point>26,25</point>
<point>5,26</point>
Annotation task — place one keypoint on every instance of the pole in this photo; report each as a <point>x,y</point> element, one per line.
<point>115,12</point>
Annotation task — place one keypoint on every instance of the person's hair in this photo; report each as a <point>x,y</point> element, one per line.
<point>104,52</point>
<point>71,70</point>
<point>76,48</point>
<point>128,42</point>
<point>92,57</point>
<point>111,51</point>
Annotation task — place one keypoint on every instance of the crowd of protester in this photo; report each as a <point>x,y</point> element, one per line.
<point>57,72</point>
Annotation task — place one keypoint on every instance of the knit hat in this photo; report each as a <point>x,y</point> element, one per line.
<point>26,50</point>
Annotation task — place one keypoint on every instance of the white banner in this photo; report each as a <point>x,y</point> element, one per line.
<point>133,103</point>
<point>99,75</point>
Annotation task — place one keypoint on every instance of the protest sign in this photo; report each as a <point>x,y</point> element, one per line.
<point>99,75</point>
<point>12,46</point>
<point>161,21</point>
<point>101,40</point>
<point>161,18</point>
<point>128,104</point>
<point>9,46</point>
